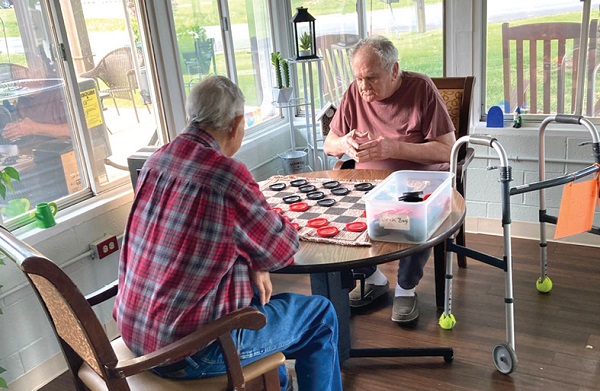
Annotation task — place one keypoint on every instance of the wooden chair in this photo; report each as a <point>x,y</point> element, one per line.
<point>543,58</point>
<point>337,71</point>
<point>115,69</point>
<point>98,364</point>
<point>457,93</point>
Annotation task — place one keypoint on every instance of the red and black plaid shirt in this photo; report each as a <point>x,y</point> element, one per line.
<point>198,224</point>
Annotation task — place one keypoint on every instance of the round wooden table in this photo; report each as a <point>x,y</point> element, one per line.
<point>330,266</point>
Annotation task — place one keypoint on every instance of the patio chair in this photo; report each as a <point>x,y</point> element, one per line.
<point>99,364</point>
<point>543,58</point>
<point>337,71</point>
<point>116,70</point>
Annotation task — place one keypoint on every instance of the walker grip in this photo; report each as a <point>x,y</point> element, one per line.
<point>568,119</point>
<point>481,139</point>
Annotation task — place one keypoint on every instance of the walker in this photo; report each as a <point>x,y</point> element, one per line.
<point>544,283</point>
<point>504,354</point>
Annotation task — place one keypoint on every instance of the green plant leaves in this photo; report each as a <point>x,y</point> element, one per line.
<point>2,381</point>
<point>6,176</point>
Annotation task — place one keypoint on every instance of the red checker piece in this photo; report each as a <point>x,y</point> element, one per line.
<point>356,226</point>
<point>278,210</point>
<point>328,232</point>
<point>317,223</point>
<point>296,225</point>
<point>299,207</point>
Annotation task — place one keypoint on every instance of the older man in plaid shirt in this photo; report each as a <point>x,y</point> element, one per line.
<point>200,242</point>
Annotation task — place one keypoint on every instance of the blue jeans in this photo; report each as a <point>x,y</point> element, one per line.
<point>302,327</point>
<point>410,269</point>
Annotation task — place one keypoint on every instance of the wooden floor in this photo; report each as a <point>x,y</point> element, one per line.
<point>557,334</point>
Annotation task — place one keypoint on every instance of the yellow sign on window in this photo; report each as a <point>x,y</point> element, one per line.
<point>91,108</point>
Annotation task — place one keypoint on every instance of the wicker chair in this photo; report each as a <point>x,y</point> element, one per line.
<point>116,70</point>
<point>98,364</point>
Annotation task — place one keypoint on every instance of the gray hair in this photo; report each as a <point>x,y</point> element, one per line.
<point>214,103</point>
<point>382,47</point>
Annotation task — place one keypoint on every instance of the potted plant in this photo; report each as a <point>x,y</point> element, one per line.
<point>7,175</point>
<point>282,92</point>
<point>305,45</point>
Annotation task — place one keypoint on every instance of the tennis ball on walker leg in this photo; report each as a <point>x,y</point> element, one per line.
<point>447,322</point>
<point>544,285</point>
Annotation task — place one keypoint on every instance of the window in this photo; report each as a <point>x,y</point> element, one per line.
<point>75,100</point>
<point>532,59</point>
<point>415,27</point>
<point>241,51</point>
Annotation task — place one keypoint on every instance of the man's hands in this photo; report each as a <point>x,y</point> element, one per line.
<point>363,147</point>
<point>262,280</point>
<point>18,129</point>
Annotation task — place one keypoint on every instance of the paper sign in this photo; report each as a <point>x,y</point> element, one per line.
<point>400,222</point>
<point>577,207</point>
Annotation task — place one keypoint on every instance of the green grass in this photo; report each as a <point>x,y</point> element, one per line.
<point>420,52</point>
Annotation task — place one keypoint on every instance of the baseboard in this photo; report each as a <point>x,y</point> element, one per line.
<point>526,230</point>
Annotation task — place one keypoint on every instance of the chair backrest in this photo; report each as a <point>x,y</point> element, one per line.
<point>205,55</point>
<point>10,71</point>
<point>543,58</point>
<point>116,70</point>
<point>457,93</point>
<point>337,70</point>
<point>79,332</point>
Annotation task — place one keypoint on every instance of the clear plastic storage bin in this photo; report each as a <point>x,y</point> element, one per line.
<point>395,213</point>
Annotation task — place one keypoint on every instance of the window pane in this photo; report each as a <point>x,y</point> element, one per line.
<point>415,27</point>
<point>202,51</point>
<point>533,57</point>
<point>336,28</point>
<point>108,59</point>
<point>35,121</point>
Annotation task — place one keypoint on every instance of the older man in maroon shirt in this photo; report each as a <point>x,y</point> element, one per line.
<point>394,120</point>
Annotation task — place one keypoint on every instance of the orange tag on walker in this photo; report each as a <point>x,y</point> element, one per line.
<point>598,192</point>
<point>577,207</point>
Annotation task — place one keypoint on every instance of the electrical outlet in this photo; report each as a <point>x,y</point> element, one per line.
<point>104,247</point>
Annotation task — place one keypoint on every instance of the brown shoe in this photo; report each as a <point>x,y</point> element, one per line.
<point>372,293</point>
<point>405,309</point>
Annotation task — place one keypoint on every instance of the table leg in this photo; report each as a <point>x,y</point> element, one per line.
<point>335,286</point>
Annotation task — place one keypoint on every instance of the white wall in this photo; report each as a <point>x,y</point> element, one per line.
<point>27,344</point>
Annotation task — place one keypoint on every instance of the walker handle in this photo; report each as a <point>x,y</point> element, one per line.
<point>568,119</point>
<point>481,139</point>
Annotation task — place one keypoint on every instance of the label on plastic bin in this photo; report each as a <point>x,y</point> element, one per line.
<point>400,222</point>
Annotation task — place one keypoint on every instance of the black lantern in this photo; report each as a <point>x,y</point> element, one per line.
<point>304,34</point>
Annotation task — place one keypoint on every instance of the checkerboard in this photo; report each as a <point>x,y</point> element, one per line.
<point>347,208</point>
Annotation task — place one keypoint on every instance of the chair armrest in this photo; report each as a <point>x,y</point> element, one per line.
<point>131,79</point>
<point>463,164</point>
<point>244,318</point>
<point>103,294</point>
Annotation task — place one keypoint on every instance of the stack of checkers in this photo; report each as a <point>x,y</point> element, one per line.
<point>321,209</point>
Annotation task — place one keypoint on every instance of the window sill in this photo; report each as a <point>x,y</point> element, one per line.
<point>528,128</point>
<point>76,215</point>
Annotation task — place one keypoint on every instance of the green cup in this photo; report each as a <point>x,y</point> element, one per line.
<point>44,214</point>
